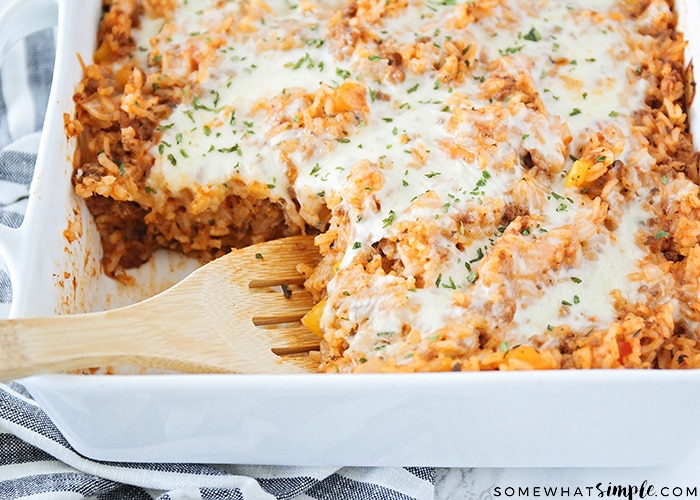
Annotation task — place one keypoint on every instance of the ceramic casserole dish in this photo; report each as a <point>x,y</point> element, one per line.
<point>598,418</point>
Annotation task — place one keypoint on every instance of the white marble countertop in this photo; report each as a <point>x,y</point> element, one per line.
<point>680,479</point>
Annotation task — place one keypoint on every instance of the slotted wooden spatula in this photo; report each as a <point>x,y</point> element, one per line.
<point>239,313</point>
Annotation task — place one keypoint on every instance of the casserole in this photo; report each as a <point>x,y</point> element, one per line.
<point>450,419</point>
<point>494,185</point>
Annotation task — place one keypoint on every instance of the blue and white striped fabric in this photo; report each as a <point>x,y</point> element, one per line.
<point>35,459</point>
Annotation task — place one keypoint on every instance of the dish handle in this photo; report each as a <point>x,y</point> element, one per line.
<point>19,19</point>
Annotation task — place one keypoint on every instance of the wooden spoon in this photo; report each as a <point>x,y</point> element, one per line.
<point>237,314</point>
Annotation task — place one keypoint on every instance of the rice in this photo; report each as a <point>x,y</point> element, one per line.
<point>495,185</point>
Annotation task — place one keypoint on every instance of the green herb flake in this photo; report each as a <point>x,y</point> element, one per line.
<point>229,149</point>
<point>479,256</point>
<point>315,42</point>
<point>533,35</point>
<point>343,73</point>
<point>485,176</point>
<point>450,284</point>
<point>510,50</point>
<point>389,220</point>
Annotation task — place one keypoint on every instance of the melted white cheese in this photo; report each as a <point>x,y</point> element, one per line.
<point>581,297</point>
<point>580,65</point>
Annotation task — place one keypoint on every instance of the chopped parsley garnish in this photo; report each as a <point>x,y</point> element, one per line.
<point>389,220</point>
<point>342,73</point>
<point>485,176</point>
<point>533,35</point>
<point>510,50</point>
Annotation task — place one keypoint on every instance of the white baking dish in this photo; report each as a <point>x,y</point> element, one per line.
<point>563,418</point>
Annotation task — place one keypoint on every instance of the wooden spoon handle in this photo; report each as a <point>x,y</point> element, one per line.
<point>53,344</point>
